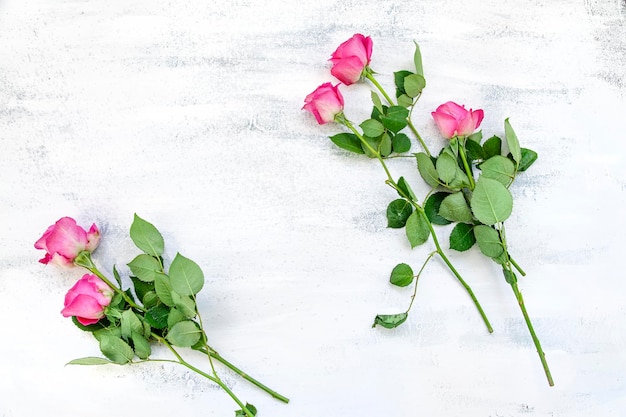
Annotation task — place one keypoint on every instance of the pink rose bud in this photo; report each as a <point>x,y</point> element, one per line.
<point>351,58</point>
<point>454,120</point>
<point>64,240</point>
<point>324,103</point>
<point>87,299</point>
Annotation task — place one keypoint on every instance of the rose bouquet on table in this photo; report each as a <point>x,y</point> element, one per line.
<point>159,309</point>
<point>469,179</point>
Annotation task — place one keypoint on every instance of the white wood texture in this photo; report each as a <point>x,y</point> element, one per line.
<point>189,114</point>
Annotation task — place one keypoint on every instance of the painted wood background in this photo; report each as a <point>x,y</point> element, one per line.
<point>189,114</point>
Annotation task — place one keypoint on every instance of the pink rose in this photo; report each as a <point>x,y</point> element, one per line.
<point>454,120</point>
<point>64,240</point>
<point>87,299</point>
<point>351,58</point>
<point>324,103</point>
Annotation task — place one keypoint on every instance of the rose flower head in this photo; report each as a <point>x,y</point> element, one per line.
<point>64,240</point>
<point>87,299</point>
<point>324,103</point>
<point>455,120</point>
<point>351,58</point>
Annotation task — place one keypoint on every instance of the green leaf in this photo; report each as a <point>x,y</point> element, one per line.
<point>417,230</point>
<point>402,275</point>
<point>395,118</point>
<point>446,167</point>
<point>498,168</point>
<point>528,158</point>
<point>407,192</point>
<point>455,208</point>
<point>372,128</point>
<point>414,84</point>
<point>462,237</point>
<point>398,211</point>
<point>174,317</point>
<point>417,59</point>
<point>130,323</point>
<point>150,299</point>
<point>89,360</point>
<point>427,169</point>
<point>512,142</point>
<point>163,288</point>
<point>141,287</point>
<point>476,137</point>
<point>145,267</point>
<point>141,345</point>
<point>101,324</point>
<point>398,78</point>
<point>509,276</point>
<point>115,349</point>
<point>390,321</point>
<point>146,237</point>
<point>186,276</point>
<point>401,143</point>
<point>492,146</point>
<point>385,147</point>
<point>184,334</point>
<point>474,151</point>
<point>117,277</point>
<point>157,316</point>
<point>404,100</point>
<point>348,141</point>
<point>378,104</point>
<point>184,304</point>
<point>432,206</point>
<point>491,202</point>
<point>488,241</point>
<point>242,413</point>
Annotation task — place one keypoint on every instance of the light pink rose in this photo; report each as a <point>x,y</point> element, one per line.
<point>64,240</point>
<point>454,120</point>
<point>87,299</point>
<point>351,58</point>
<point>324,103</point>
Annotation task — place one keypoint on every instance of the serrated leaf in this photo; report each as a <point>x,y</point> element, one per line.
<point>414,84</point>
<point>157,316</point>
<point>90,360</point>
<point>462,237</point>
<point>446,167</point>
<point>115,349</point>
<point>184,304</point>
<point>491,201</point>
<point>385,147</point>
<point>407,192</point>
<point>431,208</point>
<point>512,142</point>
<point>401,275</point>
<point>401,143</point>
<point>129,323</point>
<point>378,104</point>
<point>455,208</point>
<point>348,141</point>
<point>492,146</point>
<point>417,230</point>
<point>498,168</point>
<point>528,158</point>
<point>141,287</point>
<point>488,241</point>
<point>395,118</point>
<point>174,317</point>
<point>404,100</point>
<point>145,267</point>
<point>476,137</point>
<point>150,299</point>
<point>141,345</point>
<point>390,321</point>
<point>146,237</point>
<point>184,334</point>
<point>474,151</point>
<point>417,60</point>
<point>163,289</point>
<point>372,128</point>
<point>186,277</point>
<point>398,78</point>
<point>398,211</point>
<point>117,277</point>
<point>427,169</point>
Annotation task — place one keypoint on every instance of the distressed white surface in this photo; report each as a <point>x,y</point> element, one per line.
<point>188,113</point>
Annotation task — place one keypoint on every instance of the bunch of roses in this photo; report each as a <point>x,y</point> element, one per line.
<point>469,180</point>
<point>159,308</point>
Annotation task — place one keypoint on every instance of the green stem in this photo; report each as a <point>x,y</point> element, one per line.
<point>417,135</point>
<point>419,208</point>
<point>370,76</point>
<point>214,379</point>
<point>417,277</point>
<point>465,164</point>
<point>542,355</point>
<point>519,269</point>
<point>84,259</point>
<point>213,354</point>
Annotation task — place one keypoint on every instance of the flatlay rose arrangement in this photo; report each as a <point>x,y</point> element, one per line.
<point>160,308</point>
<point>469,179</point>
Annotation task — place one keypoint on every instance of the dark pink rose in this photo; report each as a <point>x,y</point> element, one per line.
<point>324,103</point>
<point>64,240</point>
<point>454,120</point>
<point>87,299</point>
<point>351,58</point>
